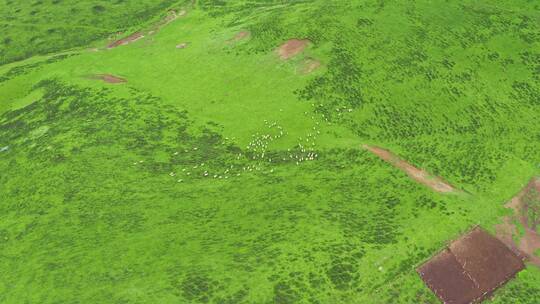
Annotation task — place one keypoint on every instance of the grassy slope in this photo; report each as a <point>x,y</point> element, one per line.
<point>44,26</point>
<point>85,221</point>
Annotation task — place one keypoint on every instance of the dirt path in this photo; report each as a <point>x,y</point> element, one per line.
<point>127,40</point>
<point>108,78</point>
<point>171,16</point>
<point>507,231</point>
<point>434,182</point>
<point>292,48</point>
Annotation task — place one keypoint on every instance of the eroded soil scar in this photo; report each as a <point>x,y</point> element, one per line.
<point>108,78</point>
<point>127,40</point>
<point>434,182</point>
<point>171,16</point>
<point>525,203</point>
<point>292,48</point>
<point>240,36</point>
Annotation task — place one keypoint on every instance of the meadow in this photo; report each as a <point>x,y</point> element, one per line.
<point>220,173</point>
<point>46,26</point>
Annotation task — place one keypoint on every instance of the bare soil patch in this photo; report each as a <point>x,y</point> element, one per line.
<point>241,35</point>
<point>471,268</point>
<point>434,182</point>
<point>171,16</point>
<point>530,241</point>
<point>505,233</point>
<point>127,40</point>
<point>292,48</point>
<point>309,65</point>
<point>108,78</point>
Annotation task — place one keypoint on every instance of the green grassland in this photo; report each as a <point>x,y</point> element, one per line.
<point>185,185</point>
<point>37,27</point>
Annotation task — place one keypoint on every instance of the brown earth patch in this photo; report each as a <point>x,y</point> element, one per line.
<point>171,16</point>
<point>292,48</point>
<point>434,182</point>
<point>127,40</point>
<point>505,232</point>
<point>108,78</point>
<point>238,37</point>
<point>530,241</point>
<point>241,35</point>
<point>471,268</point>
<point>309,65</point>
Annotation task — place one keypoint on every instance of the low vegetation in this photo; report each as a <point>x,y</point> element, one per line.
<point>44,26</point>
<point>219,173</point>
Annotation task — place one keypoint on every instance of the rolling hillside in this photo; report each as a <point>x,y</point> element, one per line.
<point>212,151</point>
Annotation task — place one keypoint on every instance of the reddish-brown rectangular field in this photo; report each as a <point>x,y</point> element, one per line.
<point>471,268</point>
<point>444,275</point>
